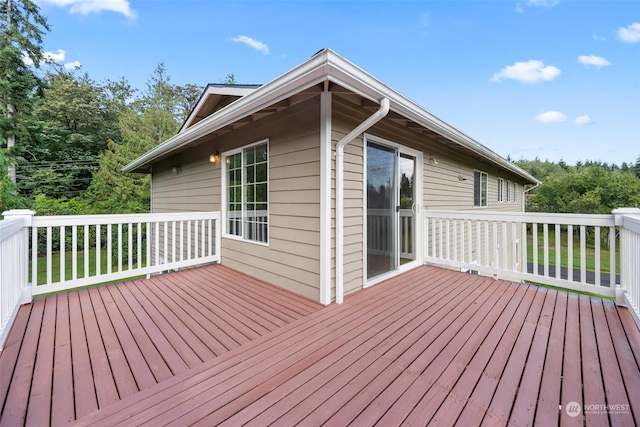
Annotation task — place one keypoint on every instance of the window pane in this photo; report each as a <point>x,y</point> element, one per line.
<point>476,188</point>
<point>247,193</point>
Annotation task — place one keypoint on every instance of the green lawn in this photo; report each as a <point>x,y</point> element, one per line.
<point>605,258</point>
<point>68,265</point>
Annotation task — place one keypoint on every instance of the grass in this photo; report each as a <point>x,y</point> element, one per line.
<point>590,261</point>
<point>68,265</point>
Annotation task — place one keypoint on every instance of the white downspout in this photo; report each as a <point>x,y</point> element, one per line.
<point>376,117</point>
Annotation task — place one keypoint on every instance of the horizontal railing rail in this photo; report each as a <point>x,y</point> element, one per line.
<point>73,251</point>
<point>578,252</point>
<point>14,246</point>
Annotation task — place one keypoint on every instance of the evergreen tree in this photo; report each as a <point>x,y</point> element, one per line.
<point>144,124</point>
<point>22,28</point>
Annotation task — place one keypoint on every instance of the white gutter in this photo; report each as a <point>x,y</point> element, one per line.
<point>375,118</point>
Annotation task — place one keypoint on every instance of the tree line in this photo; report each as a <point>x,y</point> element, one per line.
<point>64,137</point>
<point>589,187</point>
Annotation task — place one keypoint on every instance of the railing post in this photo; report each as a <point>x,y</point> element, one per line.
<point>625,258</point>
<point>27,216</point>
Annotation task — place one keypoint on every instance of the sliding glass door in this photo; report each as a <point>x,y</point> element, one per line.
<point>392,207</point>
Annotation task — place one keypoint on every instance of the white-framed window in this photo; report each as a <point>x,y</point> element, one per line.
<point>500,189</point>
<point>515,192</point>
<point>480,184</point>
<point>508,191</point>
<point>246,192</point>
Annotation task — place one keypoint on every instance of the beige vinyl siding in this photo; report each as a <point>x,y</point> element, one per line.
<point>291,257</point>
<point>442,188</point>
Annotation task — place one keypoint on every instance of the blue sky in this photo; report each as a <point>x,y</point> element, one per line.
<point>532,78</point>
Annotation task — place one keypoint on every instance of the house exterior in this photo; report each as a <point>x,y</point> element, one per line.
<point>321,176</point>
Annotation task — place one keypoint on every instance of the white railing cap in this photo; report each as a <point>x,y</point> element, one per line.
<point>620,212</point>
<point>27,214</point>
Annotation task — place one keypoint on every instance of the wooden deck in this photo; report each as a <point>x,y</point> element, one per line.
<point>430,346</point>
<point>72,354</point>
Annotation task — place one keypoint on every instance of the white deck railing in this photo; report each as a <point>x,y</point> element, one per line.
<point>66,252</point>
<point>14,250</point>
<point>525,246</point>
<point>590,253</point>
<point>630,263</point>
<point>379,233</point>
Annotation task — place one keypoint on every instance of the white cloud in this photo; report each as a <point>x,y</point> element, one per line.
<point>596,61</point>
<point>72,65</point>
<point>257,45</point>
<point>583,120</point>
<point>527,72</point>
<point>551,117</point>
<point>542,3</point>
<point>87,7</point>
<point>597,37</point>
<point>50,57</point>
<point>630,34</point>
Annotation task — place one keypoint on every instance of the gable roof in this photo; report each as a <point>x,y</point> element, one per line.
<point>324,67</point>
<point>214,98</point>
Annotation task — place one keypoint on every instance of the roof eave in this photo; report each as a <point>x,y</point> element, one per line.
<point>326,65</point>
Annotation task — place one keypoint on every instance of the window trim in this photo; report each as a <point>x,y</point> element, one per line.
<point>509,195</point>
<point>515,192</point>
<point>223,188</point>
<point>500,190</point>
<point>486,186</point>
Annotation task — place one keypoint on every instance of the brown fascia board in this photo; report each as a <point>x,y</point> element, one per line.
<point>324,66</point>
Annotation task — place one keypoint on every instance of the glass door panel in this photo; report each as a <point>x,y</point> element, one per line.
<point>408,208</point>
<point>382,247</point>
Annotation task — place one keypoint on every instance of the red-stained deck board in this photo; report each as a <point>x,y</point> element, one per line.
<point>629,368</point>
<point>235,309</point>
<point>85,398</point>
<point>615,392</point>
<point>524,407</point>
<point>571,364</point>
<point>120,368</point>
<point>42,379</point>
<point>591,366</point>
<point>87,349</point>
<point>480,397</point>
<point>62,405</point>
<point>499,337</point>
<point>14,412</point>
<point>105,384</point>
<point>135,358</point>
<point>505,393</point>
<point>205,313</point>
<point>325,378</point>
<point>460,346</point>
<point>441,376</point>
<point>427,347</point>
<point>547,412</point>
<point>131,325</point>
<point>423,352</point>
<point>9,354</point>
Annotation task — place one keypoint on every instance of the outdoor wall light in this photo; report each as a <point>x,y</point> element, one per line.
<point>214,158</point>
<point>432,159</point>
<point>177,169</point>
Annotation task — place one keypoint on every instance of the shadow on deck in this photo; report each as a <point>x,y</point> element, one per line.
<point>430,346</point>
